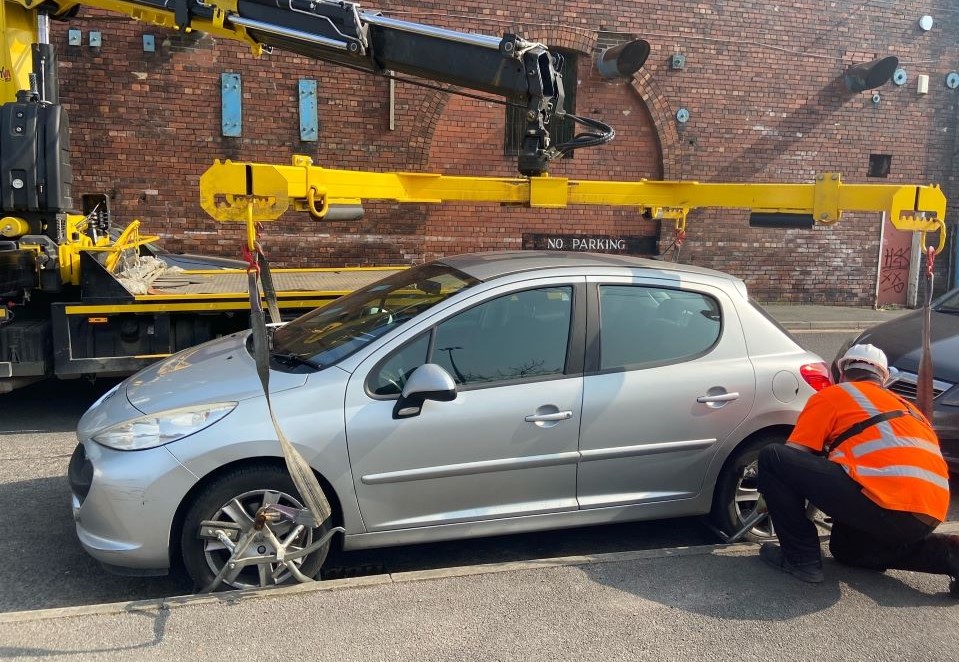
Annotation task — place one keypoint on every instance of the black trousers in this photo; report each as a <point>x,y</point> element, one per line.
<point>863,534</point>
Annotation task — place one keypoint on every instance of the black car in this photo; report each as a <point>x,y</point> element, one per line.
<point>901,340</point>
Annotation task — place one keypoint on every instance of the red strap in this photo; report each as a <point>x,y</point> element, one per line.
<point>250,257</point>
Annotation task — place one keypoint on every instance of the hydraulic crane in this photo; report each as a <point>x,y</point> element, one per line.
<point>58,258</point>
<point>53,267</point>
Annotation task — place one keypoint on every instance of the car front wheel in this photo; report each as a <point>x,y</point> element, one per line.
<point>234,499</point>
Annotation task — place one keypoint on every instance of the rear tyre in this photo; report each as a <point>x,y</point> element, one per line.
<point>234,498</point>
<point>737,491</point>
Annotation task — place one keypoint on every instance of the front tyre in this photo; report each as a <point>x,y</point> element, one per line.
<point>234,499</point>
<point>737,491</point>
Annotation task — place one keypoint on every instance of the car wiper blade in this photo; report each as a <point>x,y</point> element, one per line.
<point>295,359</point>
<point>948,311</point>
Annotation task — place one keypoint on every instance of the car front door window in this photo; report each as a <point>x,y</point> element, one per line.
<point>524,335</point>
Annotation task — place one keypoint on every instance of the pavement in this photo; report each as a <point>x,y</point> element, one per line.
<point>713,602</point>
<point>799,317</point>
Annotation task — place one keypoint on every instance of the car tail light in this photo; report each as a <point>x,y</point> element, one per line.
<point>816,375</point>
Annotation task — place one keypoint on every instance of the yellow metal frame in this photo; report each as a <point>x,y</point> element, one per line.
<point>255,192</point>
<point>215,26</point>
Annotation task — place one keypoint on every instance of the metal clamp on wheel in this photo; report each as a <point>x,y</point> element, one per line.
<point>284,554</point>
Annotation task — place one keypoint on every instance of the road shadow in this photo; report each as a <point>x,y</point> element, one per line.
<point>44,565</point>
<point>50,406</point>
<point>159,618</point>
<point>738,586</point>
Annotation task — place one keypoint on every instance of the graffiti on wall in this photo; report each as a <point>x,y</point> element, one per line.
<point>895,269</point>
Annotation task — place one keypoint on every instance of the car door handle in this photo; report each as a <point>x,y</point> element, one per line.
<point>723,397</point>
<point>556,416</point>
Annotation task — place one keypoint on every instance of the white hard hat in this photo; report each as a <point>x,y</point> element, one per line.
<point>866,357</point>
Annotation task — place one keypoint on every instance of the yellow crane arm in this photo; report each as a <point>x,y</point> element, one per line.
<point>245,192</point>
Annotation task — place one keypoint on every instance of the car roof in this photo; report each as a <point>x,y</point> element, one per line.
<point>495,264</point>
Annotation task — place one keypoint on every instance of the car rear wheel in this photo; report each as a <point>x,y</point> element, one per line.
<point>737,491</point>
<point>234,499</point>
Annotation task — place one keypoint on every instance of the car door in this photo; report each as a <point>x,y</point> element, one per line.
<point>506,445</point>
<point>668,379</point>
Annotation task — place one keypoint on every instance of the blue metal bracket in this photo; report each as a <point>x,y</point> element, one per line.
<point>309,125</point>
<point>231,100</point>
<point>149,43</point>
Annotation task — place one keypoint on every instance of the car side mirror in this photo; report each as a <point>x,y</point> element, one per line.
<point>428,382</point>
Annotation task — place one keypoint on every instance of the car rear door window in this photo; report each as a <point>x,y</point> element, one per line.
<point>643,325</point>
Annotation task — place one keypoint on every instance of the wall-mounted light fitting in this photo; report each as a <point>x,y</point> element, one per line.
<point>682,115</point>
<point>925,23</point>
<point>74,37</point>
<point>677,61</point>
<point>96,39</point>
<point>870,75</point>
<point>922,84</point>
<point>952,80</point>
<point>899,77</point>
<point>624,60</point>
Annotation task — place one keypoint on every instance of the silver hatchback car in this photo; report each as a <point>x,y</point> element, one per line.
<point>475,395</point>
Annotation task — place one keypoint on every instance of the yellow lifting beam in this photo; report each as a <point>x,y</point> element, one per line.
<point>231,191</point>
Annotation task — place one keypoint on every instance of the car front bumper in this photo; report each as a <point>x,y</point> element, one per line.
<point>124,503</point>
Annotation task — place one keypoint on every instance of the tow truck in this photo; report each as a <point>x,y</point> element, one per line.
<point>65,308</point>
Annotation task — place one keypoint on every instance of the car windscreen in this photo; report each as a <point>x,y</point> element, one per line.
<point>948,303</point>
<point>329,334</point>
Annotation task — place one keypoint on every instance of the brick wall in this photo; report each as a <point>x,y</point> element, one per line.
<point>762,84</point>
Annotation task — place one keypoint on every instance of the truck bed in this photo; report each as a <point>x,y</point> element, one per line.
<point>288,282</point>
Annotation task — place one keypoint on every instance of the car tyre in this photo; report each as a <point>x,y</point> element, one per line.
<point>235,497</point>
<point>736,491</point>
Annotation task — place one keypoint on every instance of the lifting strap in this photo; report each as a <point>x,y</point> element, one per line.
<point>300,470</point>
<point>924,393</point>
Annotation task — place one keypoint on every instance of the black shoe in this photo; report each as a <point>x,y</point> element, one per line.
<point>810,572</point>
<point>952,559</point>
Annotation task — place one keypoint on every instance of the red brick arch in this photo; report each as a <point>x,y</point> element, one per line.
<point>664,121</point>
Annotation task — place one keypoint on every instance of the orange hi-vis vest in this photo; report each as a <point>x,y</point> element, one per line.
<point>897,461</point>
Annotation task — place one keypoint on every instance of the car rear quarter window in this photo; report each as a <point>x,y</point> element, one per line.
<point>643,326</point>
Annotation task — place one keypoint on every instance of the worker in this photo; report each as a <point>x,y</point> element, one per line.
<point>871,462</point>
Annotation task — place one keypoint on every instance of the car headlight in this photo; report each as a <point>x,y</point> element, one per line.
<point>162,428</point>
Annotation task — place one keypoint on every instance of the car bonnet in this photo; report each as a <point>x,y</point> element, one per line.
<point>217,371</point>
<point>901,340</point>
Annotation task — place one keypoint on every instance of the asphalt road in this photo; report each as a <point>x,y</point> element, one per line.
<point>47,568</point>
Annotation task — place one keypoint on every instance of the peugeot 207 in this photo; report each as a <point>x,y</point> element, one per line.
<point>475,395</point>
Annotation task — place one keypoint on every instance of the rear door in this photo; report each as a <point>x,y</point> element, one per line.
<point>667,380</point>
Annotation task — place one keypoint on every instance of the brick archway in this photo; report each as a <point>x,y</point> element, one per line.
<point>663,122</point>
